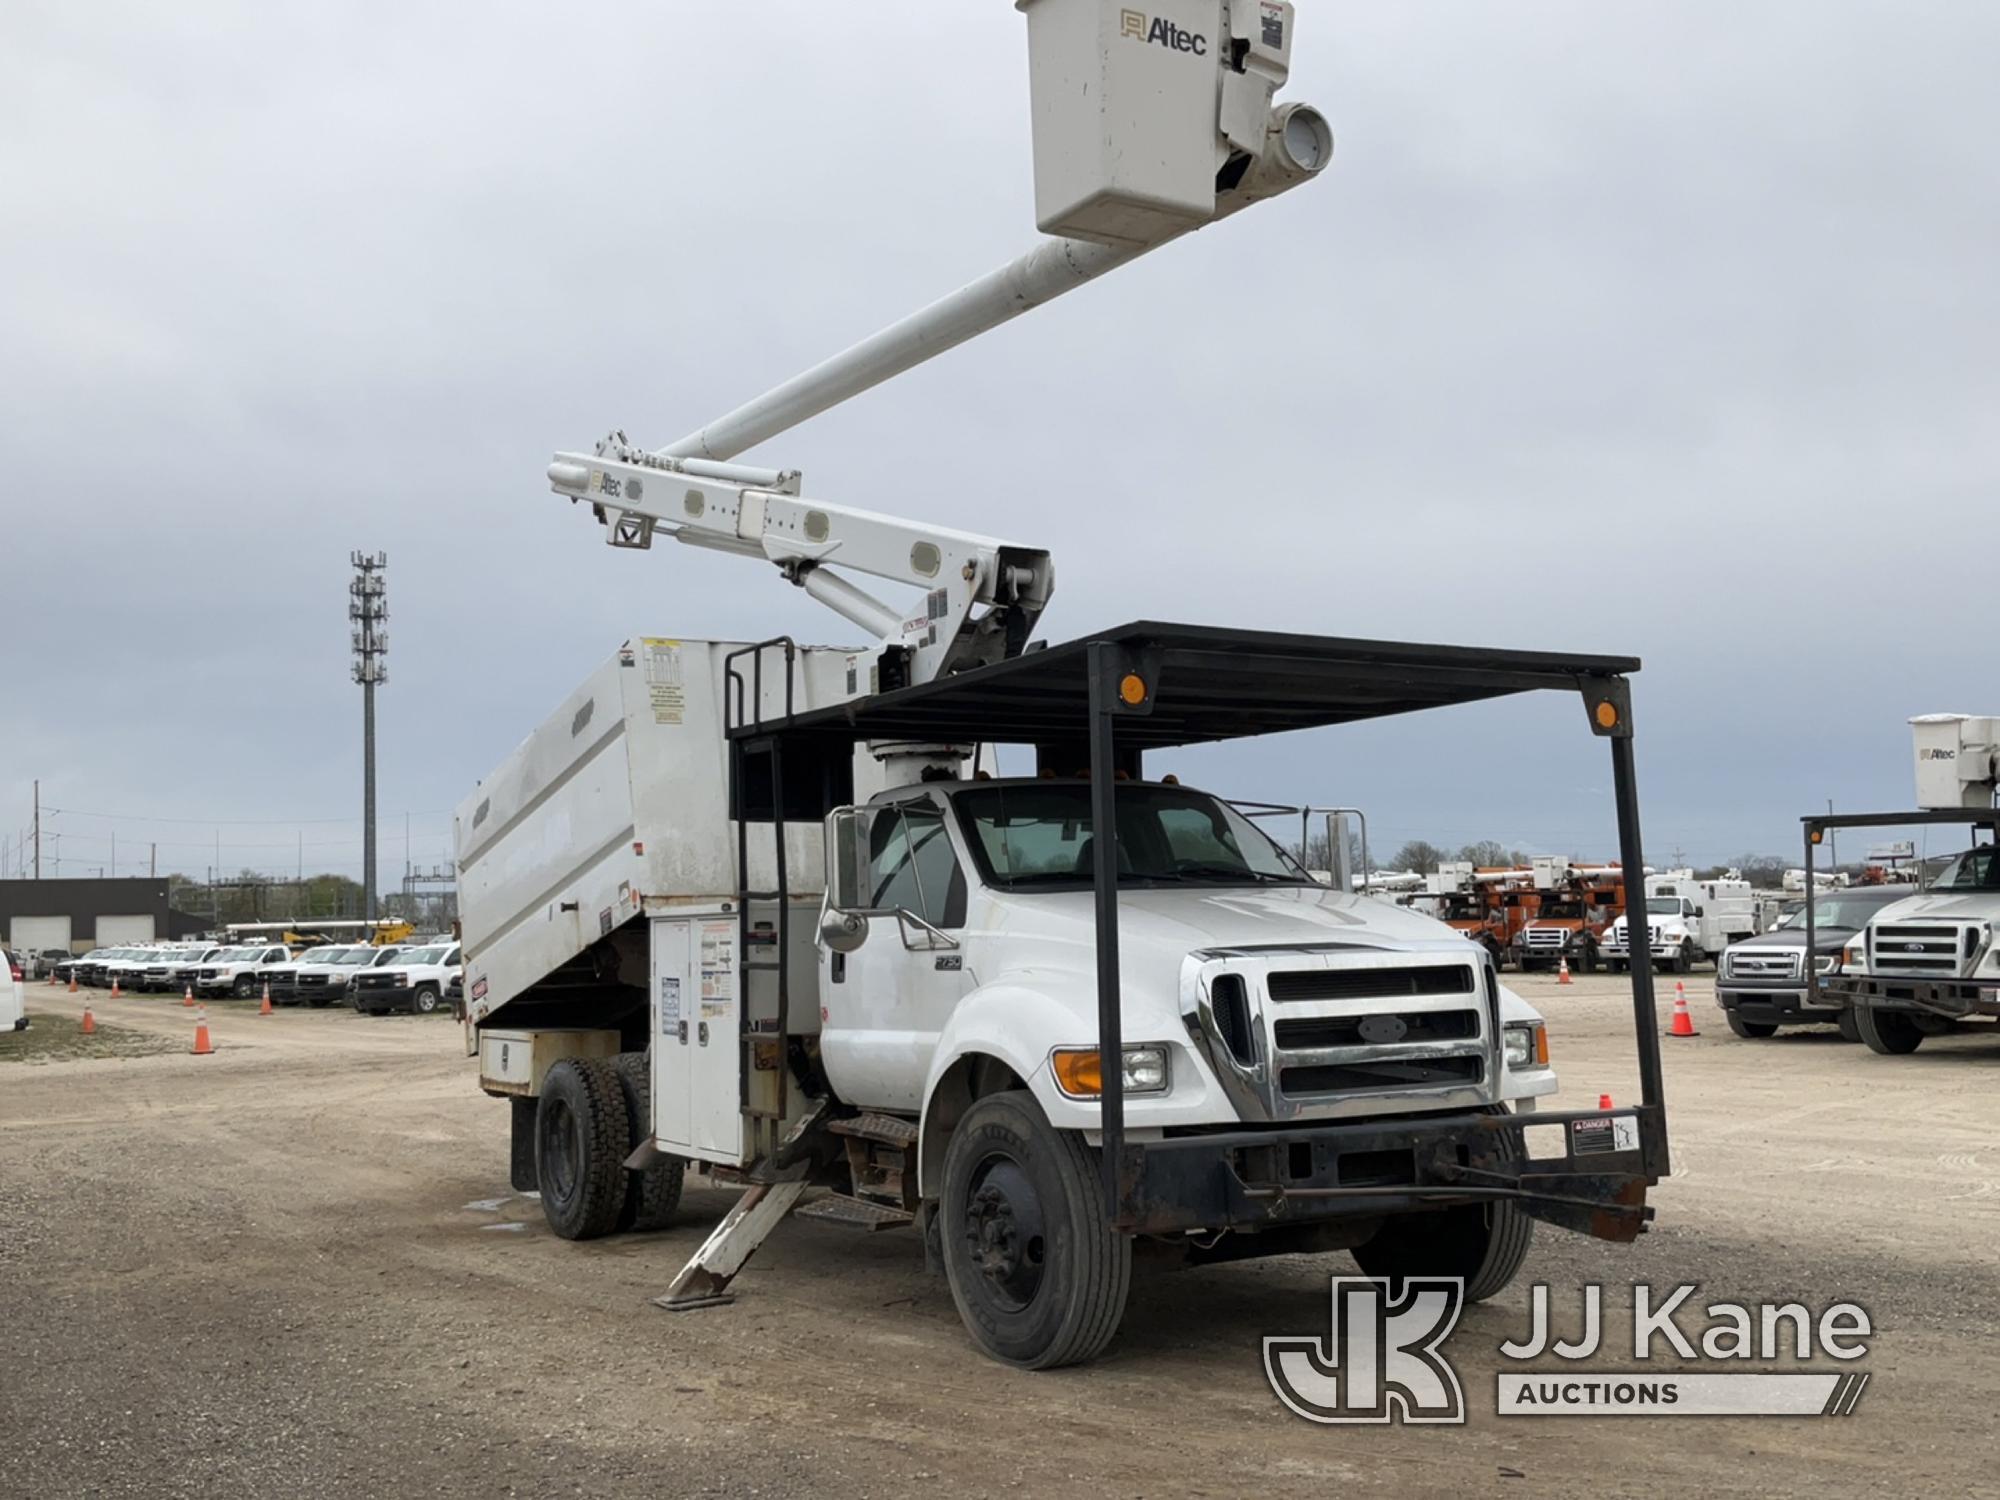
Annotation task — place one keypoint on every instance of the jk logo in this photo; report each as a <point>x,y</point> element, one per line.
<point>1132,23</point>
<point>1379,1361</point>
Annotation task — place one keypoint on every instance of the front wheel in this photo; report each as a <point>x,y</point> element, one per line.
<point>319,1002</point>
<point>1684,959</point>
<point>1485,1243</point>
<point>1039,1275</point>
<point>244,988</point>
<point>1889,1032</point>
<point>1749,1030</point>
<point>1850,1029</point>
<point>425,1000</point>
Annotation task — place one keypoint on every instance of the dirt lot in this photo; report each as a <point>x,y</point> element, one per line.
<point>295,1268</point>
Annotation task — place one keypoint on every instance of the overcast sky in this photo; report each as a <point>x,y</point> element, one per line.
<point>1664,329</point>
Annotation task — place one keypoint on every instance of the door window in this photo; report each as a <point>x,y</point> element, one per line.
<point>911,867</point>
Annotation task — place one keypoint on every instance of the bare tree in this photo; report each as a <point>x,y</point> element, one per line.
<point>1419,856</point>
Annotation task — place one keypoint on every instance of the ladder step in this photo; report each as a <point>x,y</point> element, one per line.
<point>855,1213</point>
<point>891,1130</point>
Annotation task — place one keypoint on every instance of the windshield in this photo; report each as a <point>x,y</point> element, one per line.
<point>422,956</point>
<point>350,957</point>
<point>1663,906</point>
<point>1836,911</point>
<point>1974,870</point>
<point>383,956</point>
<point>318,955</point>
<point>1040,835</point>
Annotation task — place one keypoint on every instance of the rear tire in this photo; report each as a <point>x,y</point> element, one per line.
<point>1750,1031</point>
<point>652,1194</point>
<point>1039,1275</point>
<point>582,1138</point>
<point>1483,1242</point>
<point>1889,1032</point>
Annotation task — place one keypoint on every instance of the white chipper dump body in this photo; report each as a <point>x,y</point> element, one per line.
<point>761,910</point>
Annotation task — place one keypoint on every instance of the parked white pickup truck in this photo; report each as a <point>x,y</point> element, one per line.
<point>413,979</point>
<point>241,972</point>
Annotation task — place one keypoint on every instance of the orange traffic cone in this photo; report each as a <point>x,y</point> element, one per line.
<point>89,1022</point>
<point>115,992</point>
<point>72,981</point>
<point>1562,972</point>
<point>265,1008</point>
<point>1683,1022</point>
<point>202,1045</point>
<point>187,996</point>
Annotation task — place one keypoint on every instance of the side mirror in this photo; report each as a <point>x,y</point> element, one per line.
<point>1697,911</point>
<point>842,931</point>
<point>847,858</point>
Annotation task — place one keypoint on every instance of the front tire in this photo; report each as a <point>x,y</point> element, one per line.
<point>1483,1242</point>
<point>1889,1032</point>
<point>245,988</point>
<point>1039,1275</point>
<point>1750,1031</point>
<point>581,1141</point>
<point>1850,1029</point>
<point>1684,959</point>
<point>425,1000</point>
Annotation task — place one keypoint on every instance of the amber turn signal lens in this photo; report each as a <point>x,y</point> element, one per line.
<point>1079,1074</point>
<point>1607,715</point>
<point>1133,689</point>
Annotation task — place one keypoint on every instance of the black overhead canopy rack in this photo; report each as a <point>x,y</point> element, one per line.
<point>1092,705</point>
<point>1205,684</point>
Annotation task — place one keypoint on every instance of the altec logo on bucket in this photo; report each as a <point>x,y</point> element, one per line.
<point>1135,24</point>
<point>1382,1359</point>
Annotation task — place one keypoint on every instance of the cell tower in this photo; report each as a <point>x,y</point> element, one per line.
<point>368,613</point>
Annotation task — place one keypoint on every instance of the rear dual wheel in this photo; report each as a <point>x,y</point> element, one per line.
<point>582,1137</point>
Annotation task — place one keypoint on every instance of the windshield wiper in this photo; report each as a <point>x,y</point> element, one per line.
<point>1206,872</point>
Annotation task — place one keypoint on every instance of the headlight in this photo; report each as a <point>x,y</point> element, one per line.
<point>1827,963</point>
<point>1525,1045</point>
<point>1080,1071</point>
<point>1853,958</point>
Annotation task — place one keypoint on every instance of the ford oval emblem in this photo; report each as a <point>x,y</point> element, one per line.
<point>1382,1030</point>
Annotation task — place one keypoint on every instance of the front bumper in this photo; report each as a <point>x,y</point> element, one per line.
<point>1262,1179</point>
<point>1955,999</point>
<point>383,996</point>
<point>1778,1003</point>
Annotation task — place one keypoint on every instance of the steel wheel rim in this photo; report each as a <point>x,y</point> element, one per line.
<point>1006,1238</point>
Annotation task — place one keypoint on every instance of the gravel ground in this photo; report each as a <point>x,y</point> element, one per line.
<point>295,1268</point>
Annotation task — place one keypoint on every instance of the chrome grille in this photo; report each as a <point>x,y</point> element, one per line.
<point>1763,963</point>
<point>1927,950</point>
<point>1332,1030</point>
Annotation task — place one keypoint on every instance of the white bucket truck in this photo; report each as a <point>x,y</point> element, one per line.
<point>1923,964</point>
<point>763,910</point>
<point>1689,919</point>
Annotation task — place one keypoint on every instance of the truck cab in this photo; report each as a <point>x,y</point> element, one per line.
<point>961,937</point>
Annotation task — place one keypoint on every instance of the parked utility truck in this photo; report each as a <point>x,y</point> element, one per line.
<point>1688,920</point>
<point>1930,961</point>
<point>770,912</point>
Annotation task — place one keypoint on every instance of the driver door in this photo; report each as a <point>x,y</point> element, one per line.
<point>887,1002</point>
